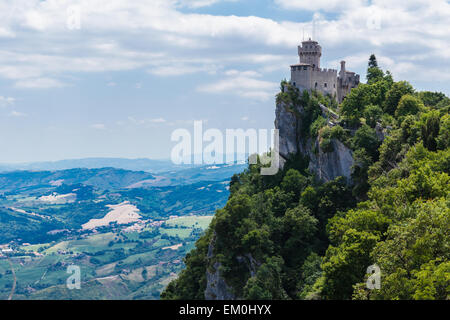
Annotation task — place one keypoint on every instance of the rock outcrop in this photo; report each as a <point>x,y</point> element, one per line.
<point>216,287</point>
<point>326,165</point>
<point>330,165</point>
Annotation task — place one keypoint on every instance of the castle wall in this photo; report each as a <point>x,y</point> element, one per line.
<point>322,80</point>
<point>326,80</point>
<point>345,83</point>
<point>301,77</point>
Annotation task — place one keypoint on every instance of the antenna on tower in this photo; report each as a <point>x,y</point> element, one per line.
<point>303,39</point>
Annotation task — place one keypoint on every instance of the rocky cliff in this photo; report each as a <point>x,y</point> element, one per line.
<point>216,287</point>
<point>326,165</point>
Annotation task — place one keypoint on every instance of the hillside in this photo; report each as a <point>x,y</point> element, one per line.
<point>127,230</point>
<point>104,178</point>
<point>363,183</point>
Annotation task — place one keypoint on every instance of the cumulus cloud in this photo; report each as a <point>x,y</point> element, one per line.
<point>98,126</point>
<point>243,84</point>
<point>182,68</point>
<point>201,3</point>
<point>39,83</point>
<point>325,5</point>
<point>158,36</point>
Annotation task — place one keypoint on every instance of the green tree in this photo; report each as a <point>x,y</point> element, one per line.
<point>346,264</point>
<point>393,96</point>
<point>374,75</point>
<point>373,61</point>
<point>354,104</point>
<point>430,128</point>
<point>432,99</point>
<point>443,138</point>
<point>372,114</point>
<point>294,182</point>
<point>411,256</point>
<point>408,104</point>
<point>366,138</point>
<point>310,272</point>
<point>360,172</point>
<point>266,284</point>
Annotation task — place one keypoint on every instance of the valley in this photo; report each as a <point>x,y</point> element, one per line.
<point>126,230</point>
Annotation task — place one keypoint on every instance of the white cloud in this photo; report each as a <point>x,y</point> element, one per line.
<point>6,101</point>
<point>201,3</point>
<point>158,120</point>
<point>243,84</point>
<point>157,36</point>
<point>182,69</point>
<point>146,121</point>
<point>39,83</point>
<point>98,126</point>
<point>17,114</point>
<point>325,5</point>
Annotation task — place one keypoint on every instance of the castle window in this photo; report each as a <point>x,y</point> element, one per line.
<point>334,85</point>
<point>293,84</point>
<point>315,85</point>
<point>305,68</point>
<point>325,84</point>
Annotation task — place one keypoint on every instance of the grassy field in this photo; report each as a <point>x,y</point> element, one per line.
<point>201,222</point>
<point>114,264</point>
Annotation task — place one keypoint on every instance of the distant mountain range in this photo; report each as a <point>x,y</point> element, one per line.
<point>147,165</point>
<point>142,164</point>
<point>113,178</point>
<point>104,178</point>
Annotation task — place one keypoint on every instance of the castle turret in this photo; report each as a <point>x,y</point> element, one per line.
<point>346,81</point>
<point>342,71</point>
<point>310,52</point>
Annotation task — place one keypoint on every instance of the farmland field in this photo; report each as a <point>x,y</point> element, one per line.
<point>128,243</point>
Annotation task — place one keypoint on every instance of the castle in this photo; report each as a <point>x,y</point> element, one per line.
<point>307,75</point>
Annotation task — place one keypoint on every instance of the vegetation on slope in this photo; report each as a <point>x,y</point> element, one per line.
<point>313,240</point>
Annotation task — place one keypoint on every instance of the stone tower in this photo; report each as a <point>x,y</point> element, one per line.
<point>308,75</point>
<point>310,52</point>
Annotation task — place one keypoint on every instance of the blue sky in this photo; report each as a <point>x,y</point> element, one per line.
<point>137,70</point>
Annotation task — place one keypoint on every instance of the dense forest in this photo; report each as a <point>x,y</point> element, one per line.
<point>307,239</point>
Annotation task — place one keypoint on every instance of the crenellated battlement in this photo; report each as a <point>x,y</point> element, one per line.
<point>325,70</point>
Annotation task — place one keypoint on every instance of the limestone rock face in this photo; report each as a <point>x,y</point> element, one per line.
<point>326,165</point>
<point>330,165</point>
<point>216,287</point>
<point>288,125</point>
